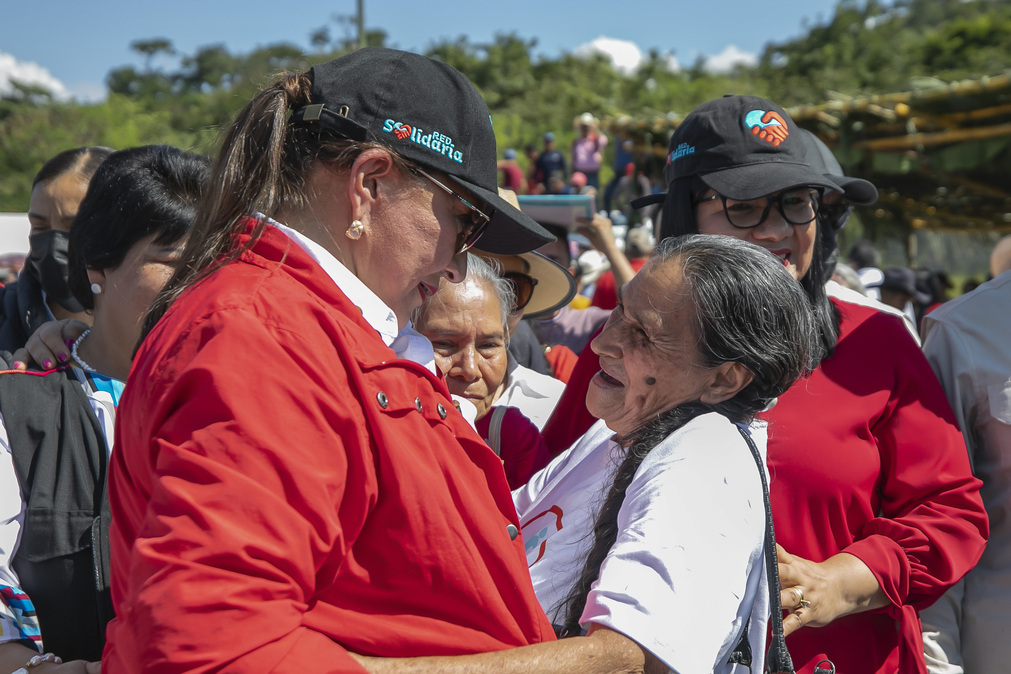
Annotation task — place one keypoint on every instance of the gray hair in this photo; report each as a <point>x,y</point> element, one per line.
<point>482,271</point>
<point>749,311</point>
<point>847,276</point>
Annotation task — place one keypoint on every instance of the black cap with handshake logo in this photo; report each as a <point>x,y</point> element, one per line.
<point>428,113</point>
<point>743,147</point>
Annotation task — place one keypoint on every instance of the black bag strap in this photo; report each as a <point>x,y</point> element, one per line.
<point>778,660</point>
<point>495,429</point>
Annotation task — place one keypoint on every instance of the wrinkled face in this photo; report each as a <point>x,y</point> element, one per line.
<point>129,290</point>
<point>464,324</point>
<point>649,361</point>
<point>54,202</point>
<point>793,244</point>
<point>410,244</point>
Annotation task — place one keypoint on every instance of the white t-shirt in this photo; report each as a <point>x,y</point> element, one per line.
<point>687,568</point>
<point>533,393</point>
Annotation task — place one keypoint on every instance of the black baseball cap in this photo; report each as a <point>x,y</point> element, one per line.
<point>743,147</point>
<point>429,113</point>
<point>903,279</point>
<point>819,156</point>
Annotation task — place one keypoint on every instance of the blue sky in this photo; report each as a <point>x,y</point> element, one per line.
<point>71,45</point>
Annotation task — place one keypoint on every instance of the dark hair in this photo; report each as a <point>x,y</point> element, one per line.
<point>749,310</point>
<point>135,193</point>
<point>81,160</point>
<point>863,253</point>
<point>263,164</point>
<point>828,232</point>
<point>678,219</point>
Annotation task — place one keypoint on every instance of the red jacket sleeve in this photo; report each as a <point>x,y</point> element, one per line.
<point>932,526</point>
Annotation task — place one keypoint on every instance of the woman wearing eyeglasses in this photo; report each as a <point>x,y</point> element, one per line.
<point>293,481</point>
<point>876,510</point>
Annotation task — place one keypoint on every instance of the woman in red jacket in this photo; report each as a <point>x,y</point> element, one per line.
<point>876,509</point>
<point>293,482</point>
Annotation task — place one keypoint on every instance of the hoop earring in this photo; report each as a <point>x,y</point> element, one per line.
<point>96,289</point>
<point>354,230</point>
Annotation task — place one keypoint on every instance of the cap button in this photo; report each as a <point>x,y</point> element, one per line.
<point>441,410</point>
<point>383,400</point>
<point>512,531</point>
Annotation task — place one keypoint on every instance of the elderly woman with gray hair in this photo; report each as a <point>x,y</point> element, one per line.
<point>648,534</point>
<point>467,324</point>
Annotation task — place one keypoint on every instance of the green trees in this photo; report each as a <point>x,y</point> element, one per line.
<point>865,47</point>
<point>872,47</point>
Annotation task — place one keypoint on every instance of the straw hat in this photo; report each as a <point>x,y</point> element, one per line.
<point>555,285</point>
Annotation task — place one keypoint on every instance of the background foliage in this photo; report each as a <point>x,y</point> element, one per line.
<point>183,99</point>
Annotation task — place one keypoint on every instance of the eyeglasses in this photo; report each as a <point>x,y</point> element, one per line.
<point>471,231</point>
<point>523,287</point>
<point>798,207</point>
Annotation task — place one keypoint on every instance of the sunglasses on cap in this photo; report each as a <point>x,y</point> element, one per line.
<point>477,220</point>
<point>522,285</point>
<point>798,207</point>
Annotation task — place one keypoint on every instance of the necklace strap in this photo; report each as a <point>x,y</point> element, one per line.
<point>73,351</point>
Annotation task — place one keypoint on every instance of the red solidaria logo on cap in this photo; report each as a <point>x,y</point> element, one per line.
<point>437,142</point>
<point>767,125</point>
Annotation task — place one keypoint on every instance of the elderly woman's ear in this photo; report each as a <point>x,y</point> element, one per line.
<point>726,381</point>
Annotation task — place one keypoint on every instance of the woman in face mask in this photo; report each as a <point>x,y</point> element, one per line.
<point>41,292</point>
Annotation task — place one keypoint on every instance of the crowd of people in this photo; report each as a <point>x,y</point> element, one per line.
<point>333,401</point>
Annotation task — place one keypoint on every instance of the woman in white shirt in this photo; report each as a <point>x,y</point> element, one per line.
<point>652,524</point>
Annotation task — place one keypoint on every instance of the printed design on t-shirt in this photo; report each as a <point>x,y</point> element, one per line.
<point>434,141</point>
<point>768,125</point>
<point>18,620</point>
<point>538,529</point>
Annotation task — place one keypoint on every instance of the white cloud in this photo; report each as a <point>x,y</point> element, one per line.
<point>28,73</point>
<point>671,61</point>
<point>728,58</point>
<point>625,55</point>
<point>89,92</point>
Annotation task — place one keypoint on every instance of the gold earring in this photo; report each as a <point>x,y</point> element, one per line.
<point>354,230</point>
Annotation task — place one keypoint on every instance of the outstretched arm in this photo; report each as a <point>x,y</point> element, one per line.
<point>14,654</point>
<point>601,650</point>
<point>600,233</point>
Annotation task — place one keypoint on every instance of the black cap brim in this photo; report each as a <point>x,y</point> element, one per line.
<point>648,200</point>
<point>856,190</point>
<point>753,181</point>
<point>510,231</point>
